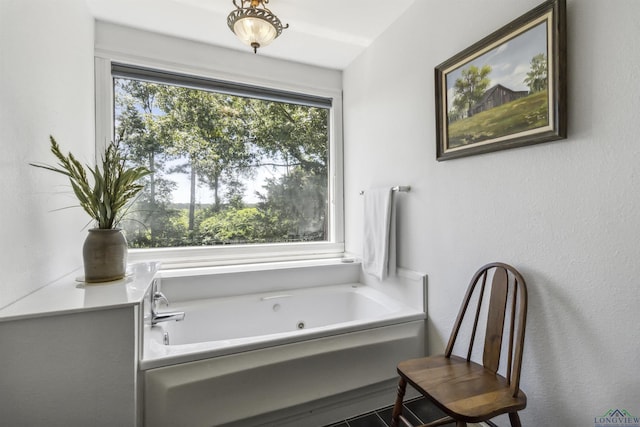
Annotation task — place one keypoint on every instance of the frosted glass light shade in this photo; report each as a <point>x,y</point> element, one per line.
<point>252,31</point>
<point>254,24</point>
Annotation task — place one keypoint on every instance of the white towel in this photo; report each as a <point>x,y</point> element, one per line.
<point>379,238</point>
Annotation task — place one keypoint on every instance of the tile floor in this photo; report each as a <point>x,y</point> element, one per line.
<point>418,411</point>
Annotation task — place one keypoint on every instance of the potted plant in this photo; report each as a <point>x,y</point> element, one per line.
<point>104,193</point>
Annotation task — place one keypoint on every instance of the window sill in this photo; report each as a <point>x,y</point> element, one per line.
<point>260,267</point>
<point>234,255</point>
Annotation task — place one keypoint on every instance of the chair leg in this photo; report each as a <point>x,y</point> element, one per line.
<point>461,424</point>
<point>397,408</point>
<point>514,419</point>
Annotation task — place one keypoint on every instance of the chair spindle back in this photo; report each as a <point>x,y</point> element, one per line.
<point>508,290</point>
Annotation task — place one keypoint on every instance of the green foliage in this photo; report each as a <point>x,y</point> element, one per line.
<point>151,221</point>
<point>529,112</point>
<point>113,186</point>
<point>293,133</point>
<point>298,203</point>
<point>232,226</point>
<point>219,142</point>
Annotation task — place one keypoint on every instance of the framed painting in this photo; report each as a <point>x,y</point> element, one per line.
<point>507,90</point>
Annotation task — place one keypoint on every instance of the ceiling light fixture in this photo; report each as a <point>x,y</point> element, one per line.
<point>254,24</point>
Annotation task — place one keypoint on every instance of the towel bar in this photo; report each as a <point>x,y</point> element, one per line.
<point>399,188</point>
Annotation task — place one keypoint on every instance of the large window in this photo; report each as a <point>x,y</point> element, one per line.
<point>232,164</point>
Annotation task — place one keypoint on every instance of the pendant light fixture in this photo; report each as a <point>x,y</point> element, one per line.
<point>254,24</point>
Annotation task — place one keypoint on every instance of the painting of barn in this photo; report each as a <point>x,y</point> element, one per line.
<point>495,97</point>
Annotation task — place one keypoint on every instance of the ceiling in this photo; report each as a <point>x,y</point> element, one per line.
<point>326,33</point>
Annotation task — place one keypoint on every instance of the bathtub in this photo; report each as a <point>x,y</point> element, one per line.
<point>221,326</point>
<point>280,350</point>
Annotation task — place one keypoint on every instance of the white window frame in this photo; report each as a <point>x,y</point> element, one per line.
<point>232,254</point>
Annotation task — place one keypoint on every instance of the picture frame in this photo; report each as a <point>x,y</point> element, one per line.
<point>507,90</point>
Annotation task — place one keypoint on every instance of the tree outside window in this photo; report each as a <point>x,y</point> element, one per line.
<point>226,169</point>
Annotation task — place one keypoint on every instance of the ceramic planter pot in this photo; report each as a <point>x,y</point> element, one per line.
<point>105,255</point>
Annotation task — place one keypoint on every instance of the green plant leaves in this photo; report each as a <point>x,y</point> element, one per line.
<point>111,188</point>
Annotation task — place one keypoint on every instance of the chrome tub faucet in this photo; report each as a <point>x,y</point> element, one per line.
<point>158,298</point>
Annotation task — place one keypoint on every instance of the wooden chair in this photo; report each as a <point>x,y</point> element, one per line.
<point>467,391</point>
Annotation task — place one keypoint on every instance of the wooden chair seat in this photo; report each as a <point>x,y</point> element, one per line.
<point>464,390</point>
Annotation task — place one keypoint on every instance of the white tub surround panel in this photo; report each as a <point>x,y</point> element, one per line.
<point>69,353</point>
<point>406,286</point>
<point>232,388</point>
<point>187,284</point>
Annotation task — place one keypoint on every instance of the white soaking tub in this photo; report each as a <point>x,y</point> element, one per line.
<point>221,326</point>
<point>277,350</point>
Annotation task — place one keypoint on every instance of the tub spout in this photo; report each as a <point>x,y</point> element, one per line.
<point>166,317</point>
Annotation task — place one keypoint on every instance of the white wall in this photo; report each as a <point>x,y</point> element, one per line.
<point>135,46</point>
<point>46,87</point>
<point>565,213</point>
